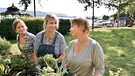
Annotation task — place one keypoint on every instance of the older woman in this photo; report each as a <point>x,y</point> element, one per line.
<point>50,37</point>
<point>25,39</point>
<point>84,56</point>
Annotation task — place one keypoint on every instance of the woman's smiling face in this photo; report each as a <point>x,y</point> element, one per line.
<point>21,28</point>
<point>51,25</point>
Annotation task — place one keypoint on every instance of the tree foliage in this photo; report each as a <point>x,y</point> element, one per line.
<point>89,3</point>
<point>92,4</point>
<point>105,17</point>
<point>124,6</point>
<point>25,3</point>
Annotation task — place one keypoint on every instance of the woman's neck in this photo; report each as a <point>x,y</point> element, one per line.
<point>49,34</point>
<point>83,38</point>
<point>22,35</point>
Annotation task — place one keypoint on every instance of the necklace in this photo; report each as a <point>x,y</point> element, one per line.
<point>48,37</point>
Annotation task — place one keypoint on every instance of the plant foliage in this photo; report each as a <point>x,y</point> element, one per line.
<point>4,46</point>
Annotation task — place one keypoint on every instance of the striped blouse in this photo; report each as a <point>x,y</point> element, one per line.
<point>28,46</point>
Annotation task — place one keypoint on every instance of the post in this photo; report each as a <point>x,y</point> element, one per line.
<point>34,8</point>
<point>0,18</point>
<point>118,15</point>
<point>93,16</point>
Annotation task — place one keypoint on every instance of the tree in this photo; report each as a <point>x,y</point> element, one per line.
<point>26,3</point>
<point>105,17</point>
<point>123,6</point>
<point>129,9</point>
<point>92,4</point>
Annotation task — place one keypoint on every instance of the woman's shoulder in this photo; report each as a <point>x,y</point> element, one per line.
<point>94,42</point>
<point>72,42</point>
<point>59,35</point>
<point>40,33</point>
<point>30,35</point>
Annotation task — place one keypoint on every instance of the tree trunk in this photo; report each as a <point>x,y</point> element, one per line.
<point>118,16</point>
<point>93,17</point>
<point>34,8</point>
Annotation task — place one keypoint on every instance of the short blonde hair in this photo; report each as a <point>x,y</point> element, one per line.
<point>16,21</point>
<point>49,16</point>
<point>81,22</point>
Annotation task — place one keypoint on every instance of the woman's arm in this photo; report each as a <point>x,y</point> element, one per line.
<point>61,57</point>
<point>98,59</point>
<point>36,45</point>
<point>35,57</point>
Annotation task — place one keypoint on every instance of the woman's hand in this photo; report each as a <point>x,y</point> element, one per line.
<point>61,57</point>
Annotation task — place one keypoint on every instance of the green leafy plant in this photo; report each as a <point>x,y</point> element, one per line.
<point>4,46</point>
<point>4,69</point>
<point>22,65</point>
<point>48,66</point>
<point>47,59</point>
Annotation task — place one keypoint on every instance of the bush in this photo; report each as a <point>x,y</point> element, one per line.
<point>34,26</point>
<point>22,66</point>
<point>17,66</point>
<point>64,26</point>
<point>6,29</point>
<point>4,46</point>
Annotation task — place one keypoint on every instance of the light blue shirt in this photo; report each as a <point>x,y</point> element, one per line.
<point>60,43</point>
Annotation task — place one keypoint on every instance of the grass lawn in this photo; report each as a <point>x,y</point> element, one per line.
<point>118,45</point>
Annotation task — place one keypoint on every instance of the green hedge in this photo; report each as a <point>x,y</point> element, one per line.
<point>6,29</point>
<point>34,26</point>
<point>64,26</point>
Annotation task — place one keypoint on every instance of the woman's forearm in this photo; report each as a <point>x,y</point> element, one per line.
<point>61,57</point>
<point>35,57</point>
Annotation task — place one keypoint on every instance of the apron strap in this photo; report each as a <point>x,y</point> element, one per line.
<point>56,34</point>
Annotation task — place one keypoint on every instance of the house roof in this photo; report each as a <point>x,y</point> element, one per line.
<point>12,10</point>
<point>124,17</point>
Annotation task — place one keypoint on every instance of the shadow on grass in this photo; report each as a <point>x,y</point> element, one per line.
<point>119,49</point>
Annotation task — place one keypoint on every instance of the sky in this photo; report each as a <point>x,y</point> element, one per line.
<point>69,7</point>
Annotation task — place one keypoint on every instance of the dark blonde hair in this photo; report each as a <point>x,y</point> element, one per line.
<point>49,16</point>
<point>16,21</point>
<point>81,22</point>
